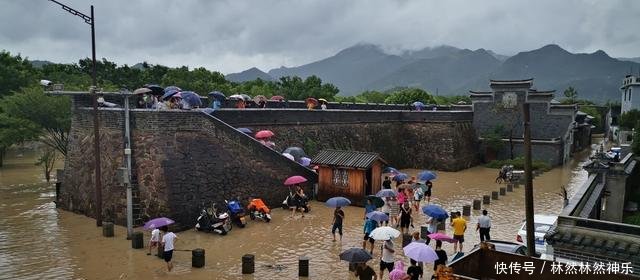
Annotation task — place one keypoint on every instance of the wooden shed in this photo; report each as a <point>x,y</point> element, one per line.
<point>350,174</point>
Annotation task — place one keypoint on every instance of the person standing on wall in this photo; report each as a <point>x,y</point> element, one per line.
<point>484,226</point>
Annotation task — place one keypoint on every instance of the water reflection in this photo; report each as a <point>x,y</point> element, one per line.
<point>39,241</point>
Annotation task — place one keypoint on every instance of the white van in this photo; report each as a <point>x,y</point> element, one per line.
<point>541,225</point>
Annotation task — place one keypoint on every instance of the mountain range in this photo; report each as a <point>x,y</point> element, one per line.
<point>448,70</point>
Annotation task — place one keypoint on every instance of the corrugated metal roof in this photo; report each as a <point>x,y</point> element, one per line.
<point>351,159</point>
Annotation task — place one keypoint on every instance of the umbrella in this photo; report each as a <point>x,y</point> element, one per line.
<point>245,130</point>
<point>400,177</point>
<point>277,98</point>
<point>155,89</point>
<point>264,134</point>
<point>337,201</point>
<point>236,97</point>
<point>208,110</point>
<point>169,94</point>
<point>390,169</point>
<point>296,152</point>
<point>418,104</point>
<point>386,193</point>
<point>246,97</point>
<point>377,201</point>
<point>142,91</point>
<point>377,216</point>
<point>158,222</point>
<point>435,211</point>
<point>191,98</point>
<point>441,237</point>
<point>217,95</point>
<point>289,156</point>
<point>384,233</point>
<point>355,255</point>
<point>322,100</point>
<point>172,88</point>
<point>420,252</point>
<point>259,98</point>
<point>305,161</point>
<point>427,175</point>
<point>294,180</point>
<point>311,100</point>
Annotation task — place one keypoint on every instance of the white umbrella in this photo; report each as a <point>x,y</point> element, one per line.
<point>288,155</point>
<point>384,233</point>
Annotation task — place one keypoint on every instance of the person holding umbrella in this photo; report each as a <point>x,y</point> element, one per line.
<point>369,207</point>
<point>369,226</point>
<point>338,217</point>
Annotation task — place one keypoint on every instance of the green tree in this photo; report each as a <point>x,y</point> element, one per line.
<point>294,88</point>
<point>50,114</point>
<point>635,145</point>
<point>571,95</point>
<point>592,111</point>
<point>47,160</point>
<point>409,95</point>
<point>629,119</point>
<point>14,131</point>
<point>15,72</point>
<point>372,96</point>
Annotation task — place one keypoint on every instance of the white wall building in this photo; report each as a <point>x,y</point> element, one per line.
<point>630,93</point>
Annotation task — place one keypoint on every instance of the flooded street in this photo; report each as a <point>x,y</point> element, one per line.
<point>38,241</point>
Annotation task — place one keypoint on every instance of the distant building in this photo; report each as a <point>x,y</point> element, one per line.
<point>553,126</point>
<point>630,84</point>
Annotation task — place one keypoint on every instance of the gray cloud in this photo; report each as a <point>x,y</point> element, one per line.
<point>231,36</point>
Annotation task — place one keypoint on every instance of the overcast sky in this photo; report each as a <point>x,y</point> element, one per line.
<point>233,35</point>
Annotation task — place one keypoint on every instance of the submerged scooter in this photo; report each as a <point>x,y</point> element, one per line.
<point>257,209</point>
<point>237,212</point>
<point>210,220</point>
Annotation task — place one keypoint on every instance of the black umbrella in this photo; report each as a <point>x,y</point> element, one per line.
<point>355,255</point>
<point>155,89</point>
<point>296,152</point>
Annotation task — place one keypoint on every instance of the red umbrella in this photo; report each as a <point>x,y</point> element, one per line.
<point>277,98</point>
<point>264,134</point>
<point>311,100</point>
<point>294,180</point>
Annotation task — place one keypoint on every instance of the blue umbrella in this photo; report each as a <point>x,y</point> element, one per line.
<point>386,193</point>
<point>377,216</point>
<point>435,211</point>
<point>172,88</point>
<point>168,94</point>
<point>337,201</point>
<point>218,95</point>
<point>418,104</point>
<point>192,99</point>
<point>427,175</point>
<point>245,130</point>
<point>400,177</point>
<point>390,169</point>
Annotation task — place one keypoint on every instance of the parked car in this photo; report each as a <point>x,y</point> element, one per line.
<point>541,225</point>
<point>507,247</point>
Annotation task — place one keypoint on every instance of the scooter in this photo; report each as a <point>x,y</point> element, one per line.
<point>211,220</point>
<point>290,202</point>
<point>257,209</point>
<point>237,212</point>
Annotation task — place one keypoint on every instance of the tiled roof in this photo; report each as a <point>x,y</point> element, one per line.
<point>527,82</point>
<point>351,159</point>
<point>594,244</point>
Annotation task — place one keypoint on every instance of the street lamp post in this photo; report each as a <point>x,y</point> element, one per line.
<point>96,118</point>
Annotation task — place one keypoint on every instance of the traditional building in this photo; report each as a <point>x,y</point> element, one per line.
<point>350,174</point>
<point>630,84</point>
<point>500,111</point>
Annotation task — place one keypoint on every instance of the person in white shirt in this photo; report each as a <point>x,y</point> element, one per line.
<point>155,239</point>
<point>484,226</point>
<point>387,259</point>
<point>168,241</point>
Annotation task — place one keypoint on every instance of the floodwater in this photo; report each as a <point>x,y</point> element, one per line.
<point>38,241</point>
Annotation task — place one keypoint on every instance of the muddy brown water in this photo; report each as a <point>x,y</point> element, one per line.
<point>38,241</point>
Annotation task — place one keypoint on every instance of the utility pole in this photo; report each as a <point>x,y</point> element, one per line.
<point>96,118</point>
<point>528,186</point>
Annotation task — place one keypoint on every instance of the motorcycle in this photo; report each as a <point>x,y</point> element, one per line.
<point>257,209</point>
<point>292,201</point>
<point>210,220</point>
<point>237,212</point>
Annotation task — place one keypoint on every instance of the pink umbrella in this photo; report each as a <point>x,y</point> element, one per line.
<point>294,180</point>
<point>277,98</point>
<point>264,134</point>
<point>441,237</point>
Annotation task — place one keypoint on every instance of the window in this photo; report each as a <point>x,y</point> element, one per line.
<point>340,177</point>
